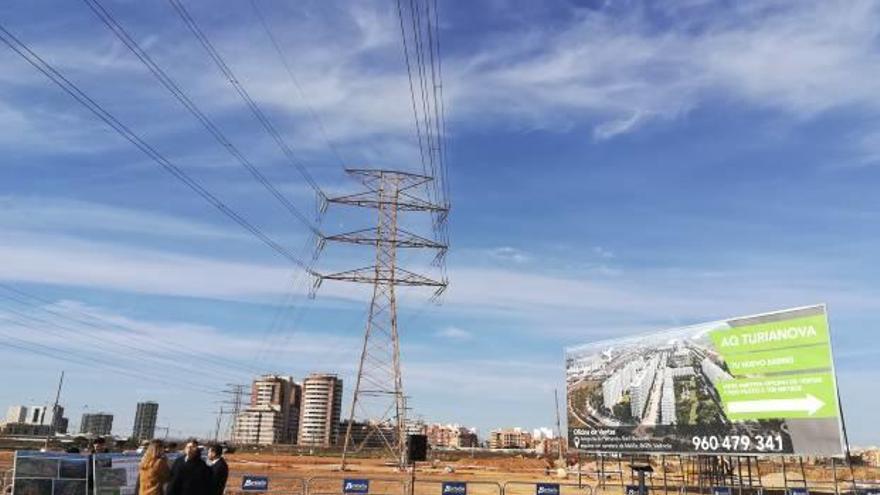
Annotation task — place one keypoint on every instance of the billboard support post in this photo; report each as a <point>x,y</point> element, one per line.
<point>834,476</point>
<point>663,467</point>
<point>784,474</point>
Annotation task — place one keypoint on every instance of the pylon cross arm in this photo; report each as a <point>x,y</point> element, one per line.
<point>371,236</point>
<point>370,199</point>
<point>368,275</point>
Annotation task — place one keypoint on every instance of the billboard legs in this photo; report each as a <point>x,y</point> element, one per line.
<point>834,476</point>
<point>663,467</point>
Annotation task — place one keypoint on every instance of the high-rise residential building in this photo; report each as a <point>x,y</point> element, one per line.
<point>453,436</point>
<point>16,414</point>
<point>320,411</point>
<point>98,424</point>
<point>366,434</point>
<point>259,425</point>
<point>510,438</point>
<point>667,398</point>
<point>667,394</point>
<point>273,413</point>
<point>713,372</point>
<point>145,421</point>
<point>26,429</point>
<point>615,385</point>
<point>36,415</point>
<point>59,422</point>
<point>640,389</point>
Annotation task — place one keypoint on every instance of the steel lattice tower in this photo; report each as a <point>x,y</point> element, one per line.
<point>378,394</point>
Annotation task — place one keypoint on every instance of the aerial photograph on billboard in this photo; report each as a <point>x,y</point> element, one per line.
<point>761,384</point>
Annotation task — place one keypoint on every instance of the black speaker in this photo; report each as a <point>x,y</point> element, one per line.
<point>416,448</point>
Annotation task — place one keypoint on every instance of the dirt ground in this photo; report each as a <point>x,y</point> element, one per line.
<point>485,475</point>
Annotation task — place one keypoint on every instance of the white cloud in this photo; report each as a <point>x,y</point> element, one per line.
<point>612,128</point>
<point>557,300</point>
<point>867,146</point>
<point>603,252</point>
<point>110,337</point>
<point>454,334</point>
<point>62,215</point>
<point>611,68</point>
<point>619,71</point>
<point>509,254</point>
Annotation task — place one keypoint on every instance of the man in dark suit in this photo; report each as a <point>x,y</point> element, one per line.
<point>219,469</point>
<point>189,474</point>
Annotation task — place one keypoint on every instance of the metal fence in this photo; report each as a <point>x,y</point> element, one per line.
<point>540,488</point>
<point>326,485</point>
<point>456,487</point>
<point>6,482</point>
<point>277,485</point>
<point>369,485</point>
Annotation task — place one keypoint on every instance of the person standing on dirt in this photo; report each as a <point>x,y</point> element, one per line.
<point>219,469</point>
<point>153,472</point>
<point>189,474</point>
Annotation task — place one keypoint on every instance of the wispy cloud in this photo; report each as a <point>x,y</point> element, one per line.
<point>454,334</point>
<point>614,67</point>
<point>509,254</point>
<point>52,214</point>
<point>609,66</point>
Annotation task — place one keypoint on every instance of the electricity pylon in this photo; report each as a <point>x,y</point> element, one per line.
<point>378,393</point>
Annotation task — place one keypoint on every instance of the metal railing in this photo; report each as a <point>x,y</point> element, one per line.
<point>328,485</point>
<point>549,488</point>
<point>278,485</point>
<point>447,487</point>
<point>6,482</point>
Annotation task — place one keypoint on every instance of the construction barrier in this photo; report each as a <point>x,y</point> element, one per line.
<point>718,490</point>
<point>862,488</point>
<point>540,488</point>
<point>355,485</point>
<point>456,487</point>
<point>261,483</point>
<point>6,482</point>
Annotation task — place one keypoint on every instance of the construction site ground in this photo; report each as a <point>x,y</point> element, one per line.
<point>485,475</point>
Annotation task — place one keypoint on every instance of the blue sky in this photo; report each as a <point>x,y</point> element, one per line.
<point>615,168</point>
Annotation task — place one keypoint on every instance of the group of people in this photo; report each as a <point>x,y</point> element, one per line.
<point>189,475</point>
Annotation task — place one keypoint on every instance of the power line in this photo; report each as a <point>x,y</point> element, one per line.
<point>242,92</point>
<point>295,81</point>
<point>71,89</point>
<point>412,89</point>
<point>427,106</point>
<point>66,356</point>
<point>98,343</point>
<point>221,363</point>
<point>440,113</point>
<point>108,19</point>
<point>415,15</point>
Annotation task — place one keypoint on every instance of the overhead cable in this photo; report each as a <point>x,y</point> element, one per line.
<point>71,89</point>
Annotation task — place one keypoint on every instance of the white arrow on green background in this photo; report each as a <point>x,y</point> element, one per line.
<point>809,404</point>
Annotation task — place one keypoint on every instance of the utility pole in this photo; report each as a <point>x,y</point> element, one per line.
<point>558,424</point>
<point>55,418</point>
<point>217,426</point>
<point>378,393</point>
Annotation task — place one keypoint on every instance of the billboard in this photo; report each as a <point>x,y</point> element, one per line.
<point>760,384</point>
<point>116,473</point>
<point>40,473</point>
